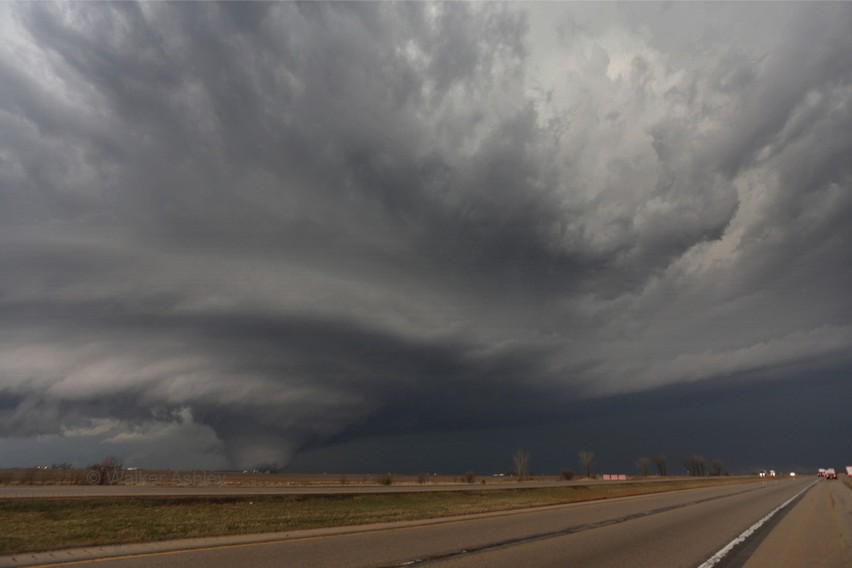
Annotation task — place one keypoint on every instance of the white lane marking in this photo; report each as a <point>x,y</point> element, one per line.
<point>716,558</point>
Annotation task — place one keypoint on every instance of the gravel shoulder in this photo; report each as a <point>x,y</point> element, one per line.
<point>817,532</point>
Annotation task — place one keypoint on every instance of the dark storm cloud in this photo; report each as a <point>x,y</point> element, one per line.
<point>291,224</point>
<point>261,380</point>
<point>789,425</point>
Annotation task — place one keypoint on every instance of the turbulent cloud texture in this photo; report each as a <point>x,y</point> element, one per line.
<point>273,226</point>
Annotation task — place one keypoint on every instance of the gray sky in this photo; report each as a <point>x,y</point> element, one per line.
<point>410,236</point>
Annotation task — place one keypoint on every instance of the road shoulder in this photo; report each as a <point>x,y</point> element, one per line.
<point>817,532</point>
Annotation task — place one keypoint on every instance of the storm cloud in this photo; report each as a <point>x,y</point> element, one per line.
<point>280,227</point>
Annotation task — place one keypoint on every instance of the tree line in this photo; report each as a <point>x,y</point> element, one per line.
<point>694,465</point>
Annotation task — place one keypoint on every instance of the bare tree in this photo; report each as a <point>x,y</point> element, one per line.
<point>105,472</point>
<point>385,479</point>
<point>587,458</point>
<point>717,467</point>
<point>521,459</point>
<point>695,465</point>
<point>701,464</point>
<point>643,466</point>
<point>661,462</point>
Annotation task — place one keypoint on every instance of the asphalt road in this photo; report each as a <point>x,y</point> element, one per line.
<point>684,528</point>
<point>54,491</point>
<point>59,491</point>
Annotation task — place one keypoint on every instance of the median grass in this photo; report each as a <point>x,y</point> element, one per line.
<point>30,525</point>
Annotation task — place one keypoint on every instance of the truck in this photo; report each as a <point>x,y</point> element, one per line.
<point>849,471</point>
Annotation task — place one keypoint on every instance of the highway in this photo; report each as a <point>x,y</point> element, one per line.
<point>680,529</point>
<point>61,491</point>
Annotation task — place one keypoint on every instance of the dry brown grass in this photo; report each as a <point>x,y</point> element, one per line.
<point>170,478</point>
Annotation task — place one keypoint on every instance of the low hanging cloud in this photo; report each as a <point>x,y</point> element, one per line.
<point>293,223</point>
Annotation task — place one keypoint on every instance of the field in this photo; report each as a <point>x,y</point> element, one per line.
<point>38,524</point>
<point>200,478</point>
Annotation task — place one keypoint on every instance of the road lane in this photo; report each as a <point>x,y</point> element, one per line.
<point>672,529</point>
<point>59,491</point>
<point>682,537</point>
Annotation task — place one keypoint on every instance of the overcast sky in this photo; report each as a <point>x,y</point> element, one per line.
<point>410,236</point>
